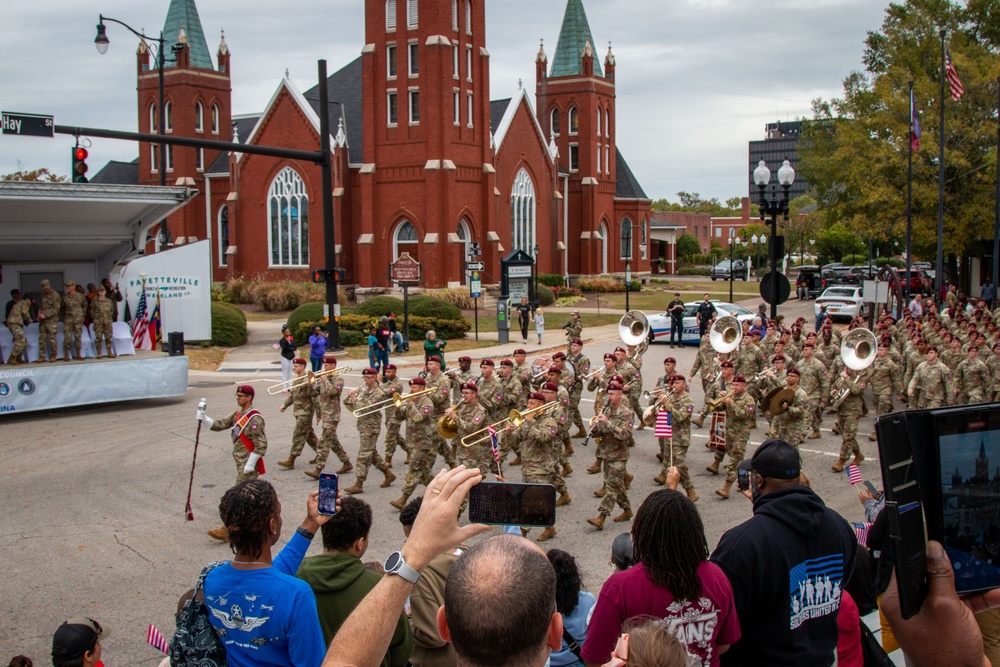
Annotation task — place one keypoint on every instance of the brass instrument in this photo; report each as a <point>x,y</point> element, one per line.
<point>646,394</point>
<point>447,427</point>
<point>515,417</point>
<point>633,327</point>
<point>591,374</point>
<point>857,351</point>
<point>714,405</point>
<point>396,400</point>
<point>725,334</point>
<point>664,402</point>
<point>764,372</point>
<point>309,378</point>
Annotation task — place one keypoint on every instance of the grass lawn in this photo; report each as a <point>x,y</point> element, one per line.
<point>553,320</point>
<point>205,358</point>
<point>265,315</point>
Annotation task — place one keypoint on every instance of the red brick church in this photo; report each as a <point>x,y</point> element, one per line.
<point>424,161</point>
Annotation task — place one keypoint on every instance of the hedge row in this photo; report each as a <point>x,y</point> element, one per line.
<point>306,316</point>
<point>229,325</point>
<point>551,279</point>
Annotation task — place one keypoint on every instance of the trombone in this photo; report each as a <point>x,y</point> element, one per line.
<point>516,417</point>
<point>396,400</point>
<point>309,378</point>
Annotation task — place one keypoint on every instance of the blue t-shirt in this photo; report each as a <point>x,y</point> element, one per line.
<point>268,616</point>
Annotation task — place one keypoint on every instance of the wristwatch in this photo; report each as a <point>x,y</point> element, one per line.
<point>396,564</point>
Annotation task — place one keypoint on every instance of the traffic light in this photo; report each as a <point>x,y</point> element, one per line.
<point>79,164</point>
<point>319,275</point>
<point>325,276</point>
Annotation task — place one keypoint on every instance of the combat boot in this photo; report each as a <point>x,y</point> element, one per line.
<point>839,465</point>
<point>699,421</point>
<point>313,460</point>
<point>724,491</point>
<point>569,450</point>
<point>314,473</point>
<point>659,456</point>
<point>714,468</point>
<point>389,478</point>
<point>547,534</point>
<point>628,480</point>
<point>814,435</point>
<point>692,494</point>
<point>597,522</point>
<point>836,429</point>
<point>872,436</point>
<point>660,479</point>
<point>567,470</point>
<point>516,461</point>
<point>624,516</point>
<point>600,492</point>
<point>346,466</point>
<point>580,433</point>
<point>357,488</point>
<point>111,355</point>
<point>400,502</point>
<point>388,460</point>
<point>97,357</point>
<point>858,458</point>
<point>407,461</point>
<point>289,462</point>
<point>221,533</point>
<point>594,469</point>
<point>563,499</point>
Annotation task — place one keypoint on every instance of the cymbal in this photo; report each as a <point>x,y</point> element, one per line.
<point>786,395</point>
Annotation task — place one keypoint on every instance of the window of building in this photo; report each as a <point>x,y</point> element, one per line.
<point>598,159</point>
<point>215,119</point>
<point>468,63</point>
<point>574,157</point>
<point>469,114</point>
<point>414,107</point>
<point>598,122</point>
<point>199,159</point>
<point>607,123</point>
<point>626,239</point>
<point>468,17</point>
<point>223,235</point>
<point>454,15</point>
<point>406,240</point>
<point>168,119</point>
<point>458,112</point>
<point>642,240</point>
<point>390,15</point>
<point>411,14</point>
<point>153,118</point>
<point>199,117</point>
<point>288,220</point>
<point>413,58</point>
<point>465,236</point>
<point>718,232</point>
<point>574,120</point>
<point>390,61</point>
<point>522,213</point>
<point>607,159</point>
<point>154,158</point>
<point>554,121</point>
<point>170,158</point>
<point>393,107</point>
<point>454,60</point>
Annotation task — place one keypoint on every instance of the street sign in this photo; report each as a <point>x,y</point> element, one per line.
<point>27,124</point>
<point>405,269</point>
<point>474,266</point>
<point>476,286</point>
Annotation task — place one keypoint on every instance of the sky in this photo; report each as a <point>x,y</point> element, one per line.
<point>696,79</point>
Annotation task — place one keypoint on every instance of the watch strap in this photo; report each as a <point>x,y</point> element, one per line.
<point>403,570</point>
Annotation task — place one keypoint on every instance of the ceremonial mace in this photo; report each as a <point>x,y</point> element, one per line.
<point>197,435</point>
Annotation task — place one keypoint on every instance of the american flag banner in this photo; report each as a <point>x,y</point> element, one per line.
<point>954,83</point>
<point>140,325</point>
<point>664,424</point>
<point>861,530</point>
<point>494,442</point>
<point>155,639</point>
<point>854,474</point>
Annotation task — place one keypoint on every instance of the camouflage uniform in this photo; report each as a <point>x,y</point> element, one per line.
<point>74,307</point>
<point>933,381</point>
<point>702,362</point>
<point>633,380</point>
<point>574,329</point>
<point>492,399</point>
<point>972,381</point>
<point>441,399</point>
<point>369,427</point>
<point>328,389</point>
<point>793,424</point>
<point>302,398</point>
<point>101,309</point>
<point>751,360</point>
<point>741,415</point>
<point>48,325</point>
<point>994,367</point>
<point>815,381</point>
<point>470,418</point>
<point>848,414</point>
<point>534,439</point>
<point>458,378</point>
<point>615,435</point>
<point>560,444</point>
<point>393,419</point>
<point>952,358</point>
<point>254,430</point>
<point>884,377</point>
<point>19,316</point>
<point>421,427</point>
<point>523,373</point>
<point>581,366</point>
<point>676,448</point>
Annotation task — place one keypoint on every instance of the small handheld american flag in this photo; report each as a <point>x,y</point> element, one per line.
<point>494,442</point>
<point>861,530</point>
<point>854,474</point>
<point>664,424</point>
<point>155,639</point>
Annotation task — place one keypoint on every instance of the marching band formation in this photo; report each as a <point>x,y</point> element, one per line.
<point>785,379</point>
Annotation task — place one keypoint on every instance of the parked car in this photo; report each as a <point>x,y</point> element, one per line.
<point>923,266</point>
<point>916,279</point>
<point>856,275</point>
<point>813,281</point>
<point>660,323</point>
<point>740,270</point>
<point>841,301</point>
<point>829,278</point>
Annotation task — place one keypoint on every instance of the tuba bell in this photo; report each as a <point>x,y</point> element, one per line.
<point>633,327</point>
<point>857,351</point>
<point>725,334</point>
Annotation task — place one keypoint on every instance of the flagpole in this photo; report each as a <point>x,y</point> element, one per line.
<point>939,273</point>
<point>909,201</point>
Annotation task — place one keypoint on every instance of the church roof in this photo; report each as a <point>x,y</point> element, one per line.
<point>183,14</point>
<point>116,172</point>
<point>573,38</point>
<point>497,109</point>
<point>628,185</point>
<point>344,86</point>
<point>244,126</point>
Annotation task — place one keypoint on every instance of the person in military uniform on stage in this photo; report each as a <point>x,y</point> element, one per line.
<point>249,441</point>
<point>74,310</point>
<point>369,427</point>
<point>614,427</point>
<point>328,390</point>
<point>302,400</point>
<point>537,438</point>
<point>101,313</point>
<point>18,318</point>
<point>421,426</point>
<point>48,324</point>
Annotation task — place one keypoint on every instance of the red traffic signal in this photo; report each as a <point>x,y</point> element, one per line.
<point>80,153</point>
<point>80,164</point>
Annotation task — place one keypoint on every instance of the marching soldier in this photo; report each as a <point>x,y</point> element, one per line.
<point>101,313</point>
<point>421,427</point>
<point>972,379</point>
<point>674,449</point>
<point>17,319</point>
<point>249,441</point>
<point>848,415</point>
<point>814,380</point>
<point>490,392</point>
<point>522,371</point>
<point>581,366</point>
<point>461,376</point>
<point>369,427</point>
<point>931,383</point>
<point>752,359</point>
<point>441,401</point>
<point>993,364</point>
<point>574,328</point>
<point>793,424</point>
<point>470,416</point>
<point>511,387</point>
<point>48,324</point>
<point>716,390</point>
<point>302,398</point>
<point>74,310</point>
<point>393,418</point>
<point>703,362</point>
<point>614,427</point>
<point>537,438</point>
<point>633,382</point>
<point>740,418</point>
<point>553,393</point>
<point>884,377</point>
<point>328,390</point>
<point>599,383</point>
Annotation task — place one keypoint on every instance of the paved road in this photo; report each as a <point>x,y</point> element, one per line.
<point>95,521</point>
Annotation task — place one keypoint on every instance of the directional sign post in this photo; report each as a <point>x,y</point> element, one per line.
<point>27,124</point>
<point>474,266</point>
<point>476,292</point>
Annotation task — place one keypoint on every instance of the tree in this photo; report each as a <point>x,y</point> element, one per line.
<point>854,151</point>
<point>838,241</point>
<point>688,246</point>
<point>42,175</point>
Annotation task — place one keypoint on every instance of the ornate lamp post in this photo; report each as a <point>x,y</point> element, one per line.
<point>771,205</point>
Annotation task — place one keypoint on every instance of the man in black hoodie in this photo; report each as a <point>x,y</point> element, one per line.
<point>787,566</point>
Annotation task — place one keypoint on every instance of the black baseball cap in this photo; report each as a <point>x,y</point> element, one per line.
<point>776,459</point>
<point>76,637</point>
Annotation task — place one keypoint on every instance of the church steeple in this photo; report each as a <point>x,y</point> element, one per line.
<point>574,38</point>
<point>182,21</point>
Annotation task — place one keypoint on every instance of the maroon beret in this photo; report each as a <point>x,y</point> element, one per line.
<point>620,349</point>
<point>554,369</point>
<point>245,389</point>
<point>466,359</point>
<point>434,358</point>
<point>617,378</point>
<point>558,355</point>
<point>536,396</point>
<point>330,359</point>
<point>608,356</point>
<point>726,364</point>
<point>520,351</point>
<point>418,381</point>
<point>576,341</point>
<point>550,386</point>
<point>678,378</point>
<point>740,378</point>
<point>507,362</point>
<point>615,386</point>
<point>369,371</point>
<point>299,360</point>
<point>470,386</point>
<point>670,360</point>
<point>487,362</point>
<point>794,371</point>
<point>779,357</point>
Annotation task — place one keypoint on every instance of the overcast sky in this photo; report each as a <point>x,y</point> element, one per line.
<point>696,79</point>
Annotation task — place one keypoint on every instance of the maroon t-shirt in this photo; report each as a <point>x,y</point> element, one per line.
<point>701,625</point>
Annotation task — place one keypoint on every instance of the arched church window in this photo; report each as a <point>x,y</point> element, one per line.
<point>598,121</point>
<point>626,239</point>
<point>574,120</point>
<point>168,120</point>
<point>223,235</point>
<point>215,119</point>
<point>554,121</point>
<point>522,212</point>
<point>288,220</point>
<point>199,116</point>
<point>154,118</point>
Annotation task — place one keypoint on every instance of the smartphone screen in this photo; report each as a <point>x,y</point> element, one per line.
<point>871,488</point>
<point>327,493</point>
<point>743,476</point>
<point>510,504</point>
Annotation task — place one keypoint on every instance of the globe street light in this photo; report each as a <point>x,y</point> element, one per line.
<point>771,205</point>
<point>757,240</point>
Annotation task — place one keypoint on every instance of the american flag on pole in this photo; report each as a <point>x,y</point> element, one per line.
<point>494,442</point>
<point>155,639</point>
<point>140,325</point>
<point>664,424</point>
<point>914,125</point>
<point>954,83</point>
<point>861,530</point>
<point>854,474</point>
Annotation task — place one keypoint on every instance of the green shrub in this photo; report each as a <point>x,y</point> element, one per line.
<point>446,328</point>
<point>359,323</point>
<point>229,325</point>
<point>458,297</point>
<point>302,318</point>
<point>894,262</point>
<point>378,306</point>
<point>694,271</point>
<point>855,260</point>
<point>601,285</point>
<point>567,301</point>
<point>352,338</point>
<point>276,295</point>
<point>429,306</point>
<point>551,280</point>
<point>545,296</point>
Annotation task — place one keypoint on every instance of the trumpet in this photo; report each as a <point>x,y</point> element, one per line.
<point>396,400</point>
<point>646,394</point>
<point>763,373</point>
<point>309,378</point>
<point>516,417</point>
<point>714,405</point>
<point>591,374</point>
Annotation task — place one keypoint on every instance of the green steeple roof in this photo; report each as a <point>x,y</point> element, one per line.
<point>573,39</point>
<point>184,14</point>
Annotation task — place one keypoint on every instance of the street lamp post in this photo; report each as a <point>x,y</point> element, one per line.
<point>771,205</point>
<point>102,42</point>
<point>757,240</point>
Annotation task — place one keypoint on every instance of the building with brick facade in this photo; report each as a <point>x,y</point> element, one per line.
<point>423,161</point>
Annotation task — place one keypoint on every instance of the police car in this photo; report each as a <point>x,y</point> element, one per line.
<point>660,323</point>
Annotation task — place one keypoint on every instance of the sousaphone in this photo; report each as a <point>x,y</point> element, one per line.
<point>725,334</point>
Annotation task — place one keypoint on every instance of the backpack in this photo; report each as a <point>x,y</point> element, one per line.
<point>195,643</point>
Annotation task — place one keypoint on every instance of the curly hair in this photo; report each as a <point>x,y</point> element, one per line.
<point>351,522</point>
<point>568,580</point>
<point>668,538</point>
<point>247,510</point>
<point>409,513</point>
